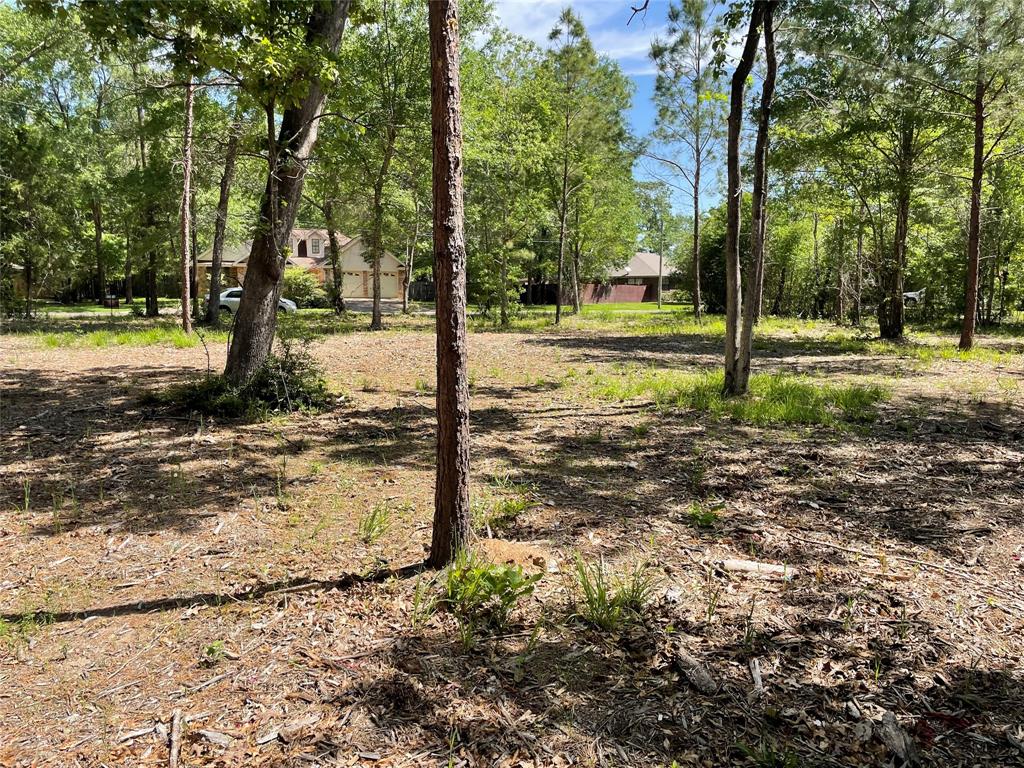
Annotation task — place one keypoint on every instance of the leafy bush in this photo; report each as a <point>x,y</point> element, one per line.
<point>301,285</point>
<point>480,592</point>
<point>290,380</point>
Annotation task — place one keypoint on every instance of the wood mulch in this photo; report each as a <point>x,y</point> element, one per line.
<point>857,601</point>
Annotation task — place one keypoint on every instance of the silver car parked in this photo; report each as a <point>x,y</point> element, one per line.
<point>232,297</point>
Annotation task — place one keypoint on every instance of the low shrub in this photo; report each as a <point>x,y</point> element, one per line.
<point>483,594</point>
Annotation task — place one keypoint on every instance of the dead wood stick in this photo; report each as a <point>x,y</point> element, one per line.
<point>175,751</point>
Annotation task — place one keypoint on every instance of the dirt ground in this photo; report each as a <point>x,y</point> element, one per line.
<point>153,562</point>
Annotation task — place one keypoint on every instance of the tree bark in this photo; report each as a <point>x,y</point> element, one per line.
<point>563,212</point>
<point>377,227</point>
<point>734,198</point>
<point>858,274</point>
<point>697,313</point>
<point>186,211</point>
<point>410,257</point>
<point>221,224</point>
<point>337,273</point>
<point>890,307</point>
<point>451,530</point>
<point>97,223</point>
<point>755,276</point>
<point>128,297</point>
<point>256,319</point>
<point>974,228</point>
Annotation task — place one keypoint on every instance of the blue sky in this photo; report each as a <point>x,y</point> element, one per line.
<point>626,43</point>
<point>606,21</point>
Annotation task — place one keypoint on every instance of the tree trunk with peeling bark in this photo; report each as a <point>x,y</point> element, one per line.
<point>451,532</point>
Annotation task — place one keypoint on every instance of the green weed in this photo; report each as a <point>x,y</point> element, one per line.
<point>609,601</point>
<point>375,522</point>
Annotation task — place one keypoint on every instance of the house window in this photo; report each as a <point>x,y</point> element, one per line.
<point>316,245</point>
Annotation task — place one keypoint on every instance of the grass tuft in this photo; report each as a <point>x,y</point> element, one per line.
<point>774,398</point>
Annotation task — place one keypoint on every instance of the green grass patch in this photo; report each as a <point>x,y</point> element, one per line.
<point>774,398</point>
<point>158,335</point>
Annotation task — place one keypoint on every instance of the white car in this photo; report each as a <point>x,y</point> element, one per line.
<point>911,298</point>
<point>232,297</point>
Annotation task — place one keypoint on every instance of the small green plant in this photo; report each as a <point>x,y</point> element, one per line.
<point>480,593</point>
<point>424,601</point>
<point>702,516</point>
<point>214,653</point>
<point>609,600</point>
<point>375,522</point>
<point>768,754</point>
<point>26,495</point>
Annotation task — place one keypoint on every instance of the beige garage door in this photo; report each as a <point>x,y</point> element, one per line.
<point>352,284</point>
<point>389,286</point>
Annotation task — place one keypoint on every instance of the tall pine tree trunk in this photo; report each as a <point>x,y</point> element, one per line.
<point>186,211</point>
<point>696,239</point>
<point>974,228</point>
<point>220,226</point>
<point>256,319</point>
<point>890,279</point>
<point>451,531</point>
<point>734,201</point>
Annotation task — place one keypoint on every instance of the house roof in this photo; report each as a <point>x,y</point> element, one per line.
<point>643,264</point>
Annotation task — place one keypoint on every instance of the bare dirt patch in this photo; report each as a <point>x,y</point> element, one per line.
<point>153,563</point>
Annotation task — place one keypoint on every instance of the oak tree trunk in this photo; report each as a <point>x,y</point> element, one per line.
<point>734,192</point>
<point>755,276</point>
<point>256,319</point>
<point>451,530</point>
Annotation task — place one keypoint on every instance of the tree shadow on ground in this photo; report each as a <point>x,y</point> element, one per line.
<point>627,698</point>
<point>85,450</point>
<point>679,351</point>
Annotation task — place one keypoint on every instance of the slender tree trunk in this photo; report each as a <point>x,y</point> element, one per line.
<point>840,306</point>
<point>563,212</point>
<point>755,276</point>
<point>503,276</point>
<point>128,297</point>
<point>152,305</point>
<point>410,258</point>
<point>734,200</point>
<point>780,293</point>
<point>377,231</point>
<point>337,272</point>
<point>256,319</point>
<point>97,224</point>
<point>974,228</point>
<point>697,313</point>
<point>221,223</point>
<point>451,531</point>
<point>858,274</point>
<point>186,212</point>
<point>890,307</point>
